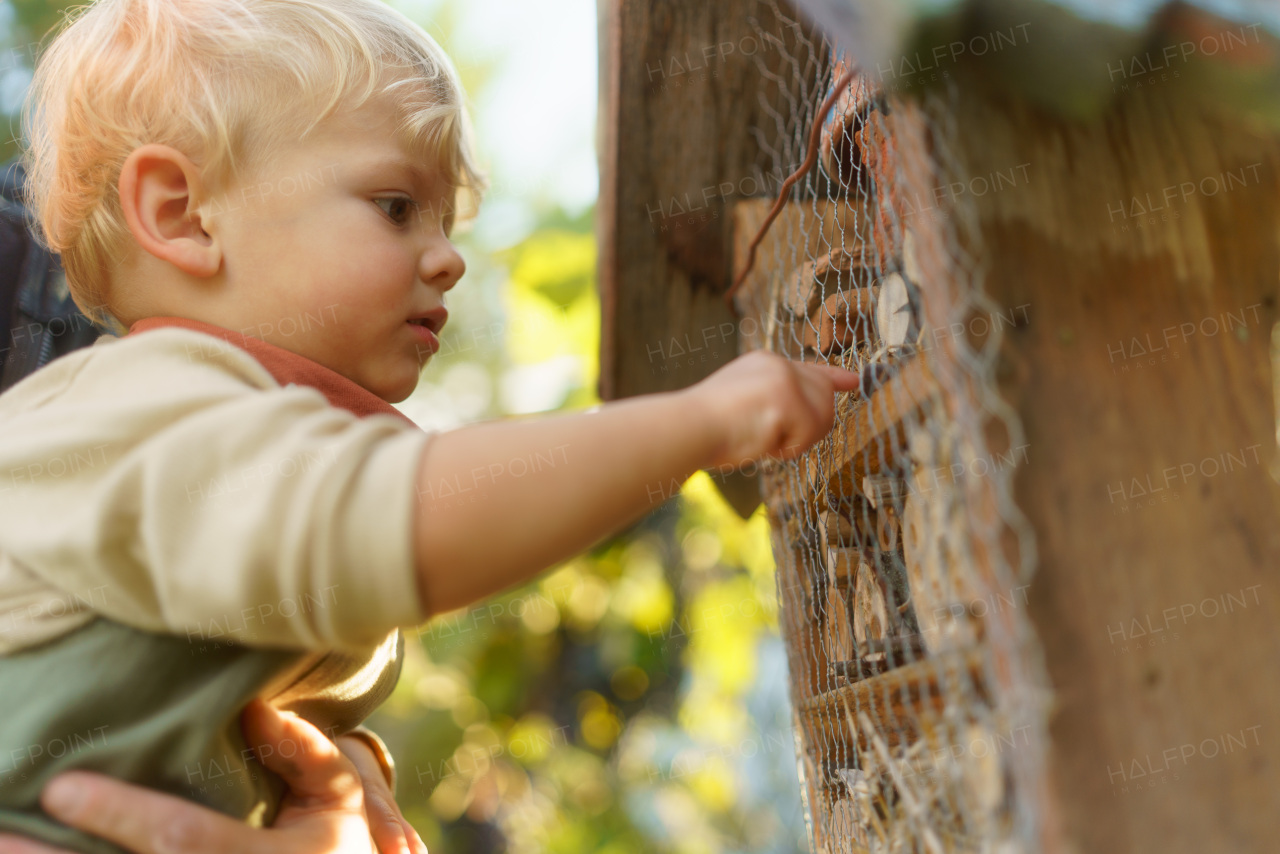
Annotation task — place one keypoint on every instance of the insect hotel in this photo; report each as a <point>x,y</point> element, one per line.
<point>1028,585</point>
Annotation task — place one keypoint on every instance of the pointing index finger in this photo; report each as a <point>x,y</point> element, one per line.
<point>842,379</point>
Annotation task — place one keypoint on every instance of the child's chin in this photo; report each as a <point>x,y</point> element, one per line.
<point>396,392</point>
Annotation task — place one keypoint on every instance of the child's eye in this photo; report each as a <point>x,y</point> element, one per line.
<point>398,208</point>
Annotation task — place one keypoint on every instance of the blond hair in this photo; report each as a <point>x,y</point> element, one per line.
<point>226,82</point>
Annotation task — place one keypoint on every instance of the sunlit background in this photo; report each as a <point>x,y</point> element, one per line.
<point>633,699</point>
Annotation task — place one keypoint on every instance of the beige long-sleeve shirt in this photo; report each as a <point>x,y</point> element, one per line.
<point>178,534</point>
<point>167,481</point>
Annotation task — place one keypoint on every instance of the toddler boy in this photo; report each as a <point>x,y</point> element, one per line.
<point>222,504</point>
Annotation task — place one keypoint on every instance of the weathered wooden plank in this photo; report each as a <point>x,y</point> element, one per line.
<point>1110,407</point>
<point>807,657</point>
<point>681,88</point>
<point>681,91</point>
<point>871,438</point>
<point>898,699</point>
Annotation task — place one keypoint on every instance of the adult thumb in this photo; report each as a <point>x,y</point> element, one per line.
<point>304,757</point>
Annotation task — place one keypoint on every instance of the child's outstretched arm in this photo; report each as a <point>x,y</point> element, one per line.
<point>501,501</point>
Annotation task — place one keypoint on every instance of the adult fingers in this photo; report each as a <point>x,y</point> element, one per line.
<point>416,845</point>
<point>381,812</point>
<point>141,820</point>
<point>391,832</point>
<point>384,825</point>
<point>19,845</point>
<point>148,822</point>
<point>317,773</point>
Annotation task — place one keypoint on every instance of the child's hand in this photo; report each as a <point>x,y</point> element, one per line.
<point>389,829</point>
<point>766,405</point>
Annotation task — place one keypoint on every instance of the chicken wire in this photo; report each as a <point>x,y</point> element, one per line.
<point>903,561</point>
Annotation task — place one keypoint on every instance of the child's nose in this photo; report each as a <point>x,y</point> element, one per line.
<point>442,266</point>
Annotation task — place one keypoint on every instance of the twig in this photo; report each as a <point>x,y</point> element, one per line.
<point>815,138</point>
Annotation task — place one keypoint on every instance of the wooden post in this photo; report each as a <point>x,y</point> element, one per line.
<point>680,93</point>
<point>1143,382</point>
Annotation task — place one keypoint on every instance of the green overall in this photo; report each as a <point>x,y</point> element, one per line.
<point>153,709</point>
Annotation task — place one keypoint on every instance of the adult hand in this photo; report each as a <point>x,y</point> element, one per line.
<point>390,830</point>
<point>323,813</point>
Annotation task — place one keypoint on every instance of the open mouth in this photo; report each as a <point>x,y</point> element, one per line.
<point>434,322</point>
<point>427,331</point>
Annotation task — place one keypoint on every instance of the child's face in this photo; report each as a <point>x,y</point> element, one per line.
<point>337,245</point>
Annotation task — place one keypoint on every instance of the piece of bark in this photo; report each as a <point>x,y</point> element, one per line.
<point>895,321</point>
<point>870,612</point>
<point>838,529</point>
<point>838,627</point>
<point>842,565</point>
<point>843,322</point>
<point>845,266</point>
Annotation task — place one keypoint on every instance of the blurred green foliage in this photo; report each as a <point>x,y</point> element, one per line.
<point>630,700</point>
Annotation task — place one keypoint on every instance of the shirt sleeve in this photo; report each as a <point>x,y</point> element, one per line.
<point>198,497</point>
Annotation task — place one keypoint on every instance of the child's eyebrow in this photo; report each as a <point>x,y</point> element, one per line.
<point>423,177</point>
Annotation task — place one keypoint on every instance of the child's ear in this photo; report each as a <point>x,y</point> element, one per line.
<point>160,190</point>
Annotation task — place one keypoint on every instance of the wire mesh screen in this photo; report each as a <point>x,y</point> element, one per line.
<point>903,561</point>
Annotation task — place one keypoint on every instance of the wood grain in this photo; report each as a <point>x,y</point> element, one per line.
<point>871,437</point>
<point>680,88</point>
<point>677,151</point>
<point>1107,415</point>
<point>897,700</point>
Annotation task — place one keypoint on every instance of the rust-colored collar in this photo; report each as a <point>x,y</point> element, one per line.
<point>287,367</point>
